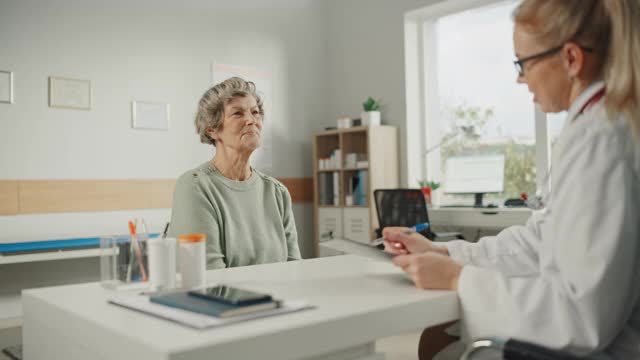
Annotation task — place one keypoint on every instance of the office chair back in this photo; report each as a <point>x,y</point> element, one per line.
<point>401,207</point>
<point>511,349</point>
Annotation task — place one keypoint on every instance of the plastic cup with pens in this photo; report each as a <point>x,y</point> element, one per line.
<point>120,262</point>
<point>124,258</point>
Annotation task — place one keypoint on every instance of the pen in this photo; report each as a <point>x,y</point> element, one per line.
<point>142,235</point>
<point>166,228</point>
<point>131,252</point>
<point>411,230</point>
<point>136,247</point>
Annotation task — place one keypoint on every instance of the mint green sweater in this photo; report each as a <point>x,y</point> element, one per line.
<point>246,222</point>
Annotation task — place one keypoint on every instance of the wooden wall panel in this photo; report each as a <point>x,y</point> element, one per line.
<point>301,189</point>
<point>161,193</point>
<point>55,196</point>
<point>52,196</point>
<point>8,197</point>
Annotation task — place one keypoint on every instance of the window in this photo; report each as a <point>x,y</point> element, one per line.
<point>555,124</point>
<point>468,101</point>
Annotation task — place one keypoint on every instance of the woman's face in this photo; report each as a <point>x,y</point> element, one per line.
<point>546,77</point>
<point>241,125</point>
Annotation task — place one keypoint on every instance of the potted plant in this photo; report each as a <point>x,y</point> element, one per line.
<point>371,113</point>
<point>427,188</point>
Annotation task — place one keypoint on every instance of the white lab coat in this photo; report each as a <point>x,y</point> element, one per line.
<point>570,278</point>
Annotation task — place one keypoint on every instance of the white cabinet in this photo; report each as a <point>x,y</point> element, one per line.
<point>329,223</point>
<point>357,226</point>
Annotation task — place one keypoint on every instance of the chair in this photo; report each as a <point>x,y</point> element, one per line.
<point>13,352</point>
<point>514,349</point>
<point>405,207</point>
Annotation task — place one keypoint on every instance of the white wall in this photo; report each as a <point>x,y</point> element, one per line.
<point>150,50</point>
<point>326,57</point>
<point>366,58</point>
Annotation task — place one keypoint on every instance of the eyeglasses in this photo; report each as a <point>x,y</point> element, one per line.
<point>519,64</point>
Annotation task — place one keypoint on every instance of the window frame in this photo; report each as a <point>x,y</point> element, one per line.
<point>420,42</point>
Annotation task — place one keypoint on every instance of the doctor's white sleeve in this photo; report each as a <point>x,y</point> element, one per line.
<point>513,252</point>
<point>587,285</point>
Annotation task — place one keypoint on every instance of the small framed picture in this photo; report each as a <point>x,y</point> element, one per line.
<point>149,115</point>
<point>6,87</point>
<point>69,93</point>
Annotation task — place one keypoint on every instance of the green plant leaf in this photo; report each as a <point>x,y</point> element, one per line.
<point>371,104</point>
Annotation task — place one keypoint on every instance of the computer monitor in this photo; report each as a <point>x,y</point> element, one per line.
<point>477,175</point>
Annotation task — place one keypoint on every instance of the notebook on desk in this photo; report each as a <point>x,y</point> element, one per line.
<point>182,300</point>
<point>141,303</point>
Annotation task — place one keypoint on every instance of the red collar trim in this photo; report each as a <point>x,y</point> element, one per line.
<point>592,100</point>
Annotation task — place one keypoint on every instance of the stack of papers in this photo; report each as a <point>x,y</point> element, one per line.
<point>195,320</point>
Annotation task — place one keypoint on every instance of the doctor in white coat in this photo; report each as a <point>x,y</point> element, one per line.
<point>570,278</point>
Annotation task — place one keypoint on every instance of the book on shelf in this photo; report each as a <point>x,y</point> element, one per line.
<point>364,187</point>
<point>329,188</point>
<point>322,185</point>
<point>182,300</point>
<point>359,188</point>
<point>336,188</point>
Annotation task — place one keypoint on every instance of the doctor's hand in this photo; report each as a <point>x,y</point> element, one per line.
<point>402,241</point>
<point>430,270</point>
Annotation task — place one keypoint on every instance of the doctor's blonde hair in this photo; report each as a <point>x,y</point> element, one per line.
<point>610,27</point>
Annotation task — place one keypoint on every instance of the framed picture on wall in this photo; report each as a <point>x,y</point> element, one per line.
<point>69,93</point>
<point>149,115</point>
<point>6,87</point>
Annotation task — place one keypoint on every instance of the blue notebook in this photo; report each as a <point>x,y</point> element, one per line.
<point>184,301</point>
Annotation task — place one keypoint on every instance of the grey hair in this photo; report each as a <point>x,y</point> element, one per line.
<point>211,105</point>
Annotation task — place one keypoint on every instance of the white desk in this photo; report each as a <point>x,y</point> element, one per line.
<point>497,218</point>
<point>343,247</point>
<point>358,301</point>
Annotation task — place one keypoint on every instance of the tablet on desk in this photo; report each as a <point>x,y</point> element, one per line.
<point>231,295</point>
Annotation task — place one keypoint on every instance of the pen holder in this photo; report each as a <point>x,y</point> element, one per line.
<point>122,261</point>
<point>162,263</point>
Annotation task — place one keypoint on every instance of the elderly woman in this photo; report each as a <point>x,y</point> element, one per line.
<point>245,214</point>
<point>568,279</point>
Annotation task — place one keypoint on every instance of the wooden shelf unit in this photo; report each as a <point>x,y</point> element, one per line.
<point>379,144</point>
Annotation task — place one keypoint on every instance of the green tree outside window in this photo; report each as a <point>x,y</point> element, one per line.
<point>520,170</point>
